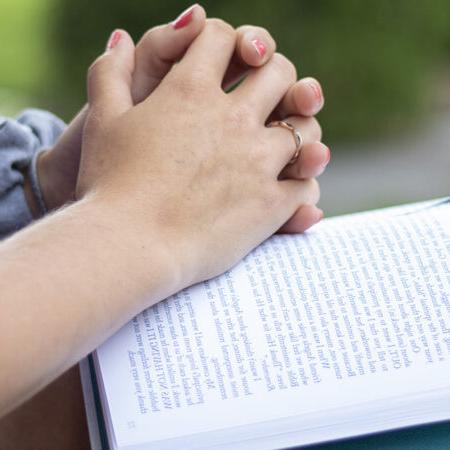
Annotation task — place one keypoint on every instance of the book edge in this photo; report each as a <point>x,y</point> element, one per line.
<point>94,414</point>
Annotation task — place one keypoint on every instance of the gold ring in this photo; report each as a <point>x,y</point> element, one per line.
<point>297,137</point>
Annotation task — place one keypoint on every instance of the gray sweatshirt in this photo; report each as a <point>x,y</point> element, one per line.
<point>21,139</point>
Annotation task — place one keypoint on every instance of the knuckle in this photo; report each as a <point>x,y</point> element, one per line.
<point>219,25</point>
<point>104,67</point>
<point>240,117</point>
<point>146,40</point>
<point>150,40</point>
<point>95,68</point>
<point>284,66</point>
<point>149,36</point>
<point>191,84</point>
<point>185,87</point>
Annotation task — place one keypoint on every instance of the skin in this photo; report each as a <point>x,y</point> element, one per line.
<point>200,162</point>
<point>155,55</point>
<point>188,204</point>
<point>60,403</point>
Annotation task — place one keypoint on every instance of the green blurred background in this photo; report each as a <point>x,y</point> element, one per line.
<point>383,64</point>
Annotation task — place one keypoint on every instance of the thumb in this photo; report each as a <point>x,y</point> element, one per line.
<point>161,47</point>
<point>109,78</point>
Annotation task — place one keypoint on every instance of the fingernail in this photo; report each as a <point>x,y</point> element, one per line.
<point>259,47</point>
<point>328,157</point>
<point>317,91</point>
<point>114,40</point>
<point>184,18</point>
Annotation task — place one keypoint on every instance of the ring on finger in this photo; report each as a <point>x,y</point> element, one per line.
<point>295,133</point>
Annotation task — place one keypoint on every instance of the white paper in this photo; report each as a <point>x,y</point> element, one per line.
<point>353,312</point>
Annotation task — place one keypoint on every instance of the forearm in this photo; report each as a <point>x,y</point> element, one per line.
<point>66,284</point>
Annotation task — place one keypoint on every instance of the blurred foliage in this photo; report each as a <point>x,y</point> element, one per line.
<point>25,59</point>
<point>375,59</point>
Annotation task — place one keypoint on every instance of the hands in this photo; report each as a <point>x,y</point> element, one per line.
<point>155,54</point>
<point>204,173</point>
<point>177,181</point>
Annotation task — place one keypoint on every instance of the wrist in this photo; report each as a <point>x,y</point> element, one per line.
<point>142,243</point>
<point>57,187</point>
<point>58,167</point>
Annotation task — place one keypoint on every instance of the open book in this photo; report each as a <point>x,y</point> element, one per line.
<point>339,332</point>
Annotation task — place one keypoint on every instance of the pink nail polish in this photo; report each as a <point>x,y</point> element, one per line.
<point>317,92</point>
<point>184,18</point>
<point>114,40</point>
<point>259,47</point>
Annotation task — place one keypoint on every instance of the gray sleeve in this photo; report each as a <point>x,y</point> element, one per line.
<point>20,140</point>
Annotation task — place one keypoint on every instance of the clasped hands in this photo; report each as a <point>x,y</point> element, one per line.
<point>166,150</point>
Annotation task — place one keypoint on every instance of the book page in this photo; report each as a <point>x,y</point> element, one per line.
<point>356,310</point>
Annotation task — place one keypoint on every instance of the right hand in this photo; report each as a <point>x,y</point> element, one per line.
<point>203,174</point>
